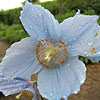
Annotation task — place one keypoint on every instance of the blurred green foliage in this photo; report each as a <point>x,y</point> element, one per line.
<point>12,33</point>
<point>52,6</point>
<point>64,16</point>
<point>11,29</point>
<point>10,17</point>
<point>0,59</point>
<point>83,5</point>
<point>87,61</point>
<point>33,0</point>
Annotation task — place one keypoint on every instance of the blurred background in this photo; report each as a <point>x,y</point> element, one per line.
<point>11,30</point>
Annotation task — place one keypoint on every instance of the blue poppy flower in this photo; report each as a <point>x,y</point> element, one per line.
<point>52,50</point>
<point>9,87</point>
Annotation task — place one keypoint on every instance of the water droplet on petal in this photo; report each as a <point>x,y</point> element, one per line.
<point>44,88</point>
<point>68,64</point>
<point>45,95</point>
<point>80,27</point>
<point>23,23</point>
<point>89,44</point>
<point>95,18</point>
<point>64,97</point>
<point>51,94</point>
<point>40,14</point>
<point>98,38</point>
<point>30,26</point>
<point>74,38</point>
<point>98,52</point>
<point>69,46</point>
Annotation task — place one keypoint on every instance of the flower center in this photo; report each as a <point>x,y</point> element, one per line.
<point>51,53</point>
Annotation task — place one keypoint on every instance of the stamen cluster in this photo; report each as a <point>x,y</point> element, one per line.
<point>51,53</point>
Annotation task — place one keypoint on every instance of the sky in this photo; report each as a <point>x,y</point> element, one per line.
<point>9,4</point>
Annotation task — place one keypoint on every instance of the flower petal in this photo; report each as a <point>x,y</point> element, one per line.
<point>20,60</point>
<point>39,22</point>
<point>9,87</point>
<point>96,44</point>
<point>62,81</point>
<point>78,32</point>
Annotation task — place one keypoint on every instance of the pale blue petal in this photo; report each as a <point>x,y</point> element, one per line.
<point>78,32</point>
<point>95,57</point>
<point>28,87</point>
<point>9,87</point>
<point>20,60</point>
<point>96,44</point>
<point>62,81</point>
<point>39,22</point>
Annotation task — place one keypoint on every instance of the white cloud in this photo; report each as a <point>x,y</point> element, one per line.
<point>8,4</point>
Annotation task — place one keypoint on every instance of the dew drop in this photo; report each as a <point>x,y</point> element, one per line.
<point>68,64</point>
<point>24,86</point>
<point>40,14</point>
<point>46,31</point>
<point>95,18</point>
<point>98,38</point>
<point>81,81</point>
<point>24,24</point>
<point>98,52</point>
<point>75,92</point>
<point>45,95</point>
<point>85,52</point>
<point>80,27</point>
<point>89,44</point>
<point>74,38</point>
<point>69,46</point>
<point>44,88</point>
<point>30,26</point>
<point>51,94</point>
<point>64,97</point>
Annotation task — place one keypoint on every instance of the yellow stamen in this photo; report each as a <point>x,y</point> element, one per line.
<point>46,40</point>
<point>51,42</point>
<point>44,43</point>
<point>49,54</point>
<point>42,40</point>
<point>96,34</point>
<point>57,64</point>
<point>47,43</point>
<point>59,46</point>
<point>66,52</point>
<point>65,49</point>
<point>93,50</point>
<point>19,95</point>
<point>65,46</point>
